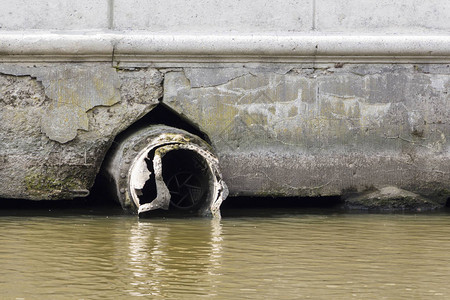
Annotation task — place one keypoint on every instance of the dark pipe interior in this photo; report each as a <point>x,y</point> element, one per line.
<point>187,177</point>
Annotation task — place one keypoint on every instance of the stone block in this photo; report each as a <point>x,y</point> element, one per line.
<point>213,15</point>
<point>383,16</point>
<point>54,14</point>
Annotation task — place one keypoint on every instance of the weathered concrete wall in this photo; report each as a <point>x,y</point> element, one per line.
<point>307,130</point>
<point>58,121</point>
<point>322,130</point>
<point>311,97</point>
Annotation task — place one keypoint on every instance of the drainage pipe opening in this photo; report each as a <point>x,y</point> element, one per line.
<point>187,177</point>
<point>161,167</point>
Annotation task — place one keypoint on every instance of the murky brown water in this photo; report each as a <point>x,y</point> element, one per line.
<point>284,256</point>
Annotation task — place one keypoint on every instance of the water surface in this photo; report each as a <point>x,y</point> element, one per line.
<point>284,254</point>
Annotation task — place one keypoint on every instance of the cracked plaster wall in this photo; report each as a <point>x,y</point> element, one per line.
<point>322,130</point>
<point>58,121</point>
<point>302,130</point>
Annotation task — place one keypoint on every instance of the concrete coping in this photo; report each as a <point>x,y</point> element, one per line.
<point>148,47</point>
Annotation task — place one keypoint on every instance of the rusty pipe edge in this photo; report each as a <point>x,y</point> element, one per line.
<point>128,169</point>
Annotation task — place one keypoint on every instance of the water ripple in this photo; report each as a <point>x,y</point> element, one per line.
<point>286,257</point>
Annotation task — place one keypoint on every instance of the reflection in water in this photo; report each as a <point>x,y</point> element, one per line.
<point>161,256</point>
<point>283,257</point>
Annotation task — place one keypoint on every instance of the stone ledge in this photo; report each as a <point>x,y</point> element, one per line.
<point>142,47</point>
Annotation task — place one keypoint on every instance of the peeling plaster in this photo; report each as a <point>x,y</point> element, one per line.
<point>272,106</point>
<point>73,91</point>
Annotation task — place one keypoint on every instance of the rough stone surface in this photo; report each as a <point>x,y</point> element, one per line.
<point>38,161</point>
<point>390,199</point>
<point>324,130</point>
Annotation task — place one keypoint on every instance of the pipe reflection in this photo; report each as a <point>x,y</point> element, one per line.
<point>185,256</point>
